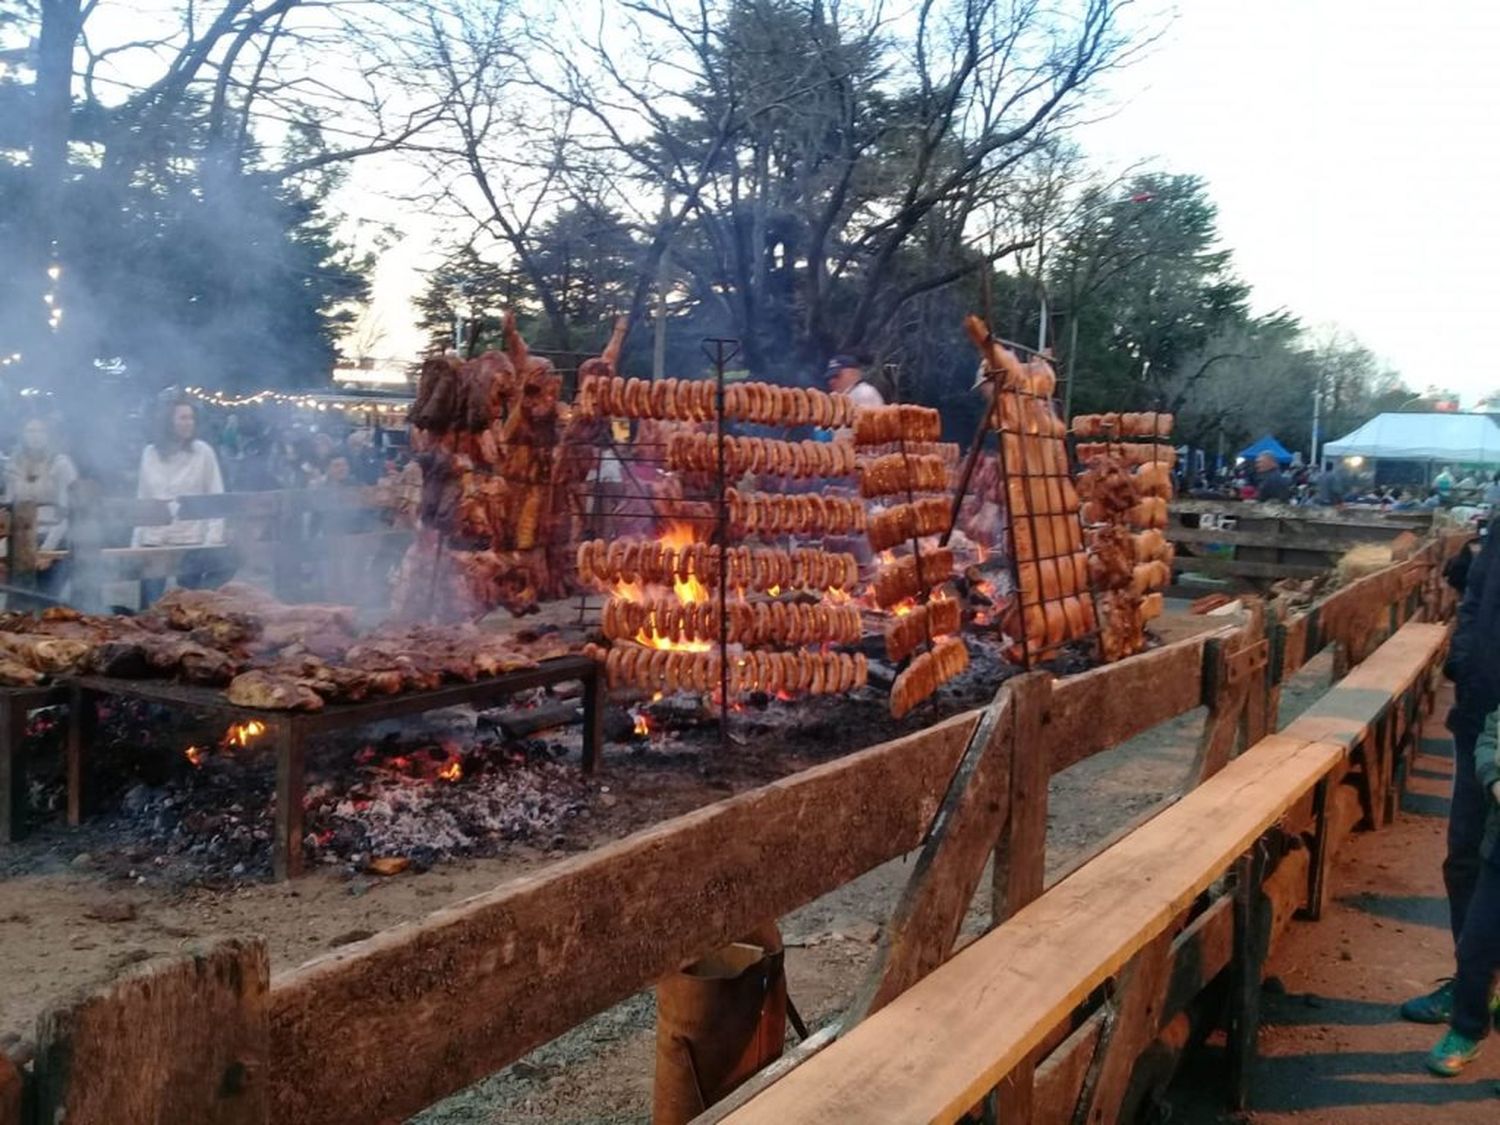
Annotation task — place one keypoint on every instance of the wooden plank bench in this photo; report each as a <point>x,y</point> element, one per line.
<point>942,1046</point>
<point>935,1051</point>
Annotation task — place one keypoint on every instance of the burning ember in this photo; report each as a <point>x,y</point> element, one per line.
<point>453,771</point>
<point>240,735</point>
<point>194,755</point>
<point>642,725</point>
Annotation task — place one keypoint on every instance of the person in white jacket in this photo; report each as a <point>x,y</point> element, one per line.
<point>180,464</point>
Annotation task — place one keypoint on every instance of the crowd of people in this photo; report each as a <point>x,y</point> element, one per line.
<point>1297,484</point>
<point>242,451</point>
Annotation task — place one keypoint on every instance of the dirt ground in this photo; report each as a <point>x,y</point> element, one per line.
<point>1333,1051</point>
<point>70,917</point>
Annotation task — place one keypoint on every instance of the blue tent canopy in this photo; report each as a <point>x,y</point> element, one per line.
<point>1267,444</point>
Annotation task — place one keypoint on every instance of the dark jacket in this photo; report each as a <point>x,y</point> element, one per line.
<point>1474,656</point>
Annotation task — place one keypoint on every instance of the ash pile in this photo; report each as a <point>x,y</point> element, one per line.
<point>185,804</point>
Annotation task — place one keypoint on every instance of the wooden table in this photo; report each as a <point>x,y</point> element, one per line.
<point>288,731</point>
<point>15,704</point>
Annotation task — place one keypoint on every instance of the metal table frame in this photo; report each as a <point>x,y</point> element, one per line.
<point>287,731</point>
<point>15,704</point>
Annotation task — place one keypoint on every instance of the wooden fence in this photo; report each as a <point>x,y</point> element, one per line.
<point>1248,541</point>
<point>376,1031</point>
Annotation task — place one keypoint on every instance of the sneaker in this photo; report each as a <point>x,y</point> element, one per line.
<point>1435,1007</point>
<point>1452,1053</point>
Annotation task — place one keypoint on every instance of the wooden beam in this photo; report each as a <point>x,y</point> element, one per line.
<point>425,1009</point>
<point>1020,870</point>
<point>921,931</point>
<point>1245,568</point>
<point>962,1029</point>
<point>1101,708</point>
<point>175,1040</point>
<point>1279,539</point>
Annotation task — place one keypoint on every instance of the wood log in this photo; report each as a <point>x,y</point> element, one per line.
<point>174,1040</point>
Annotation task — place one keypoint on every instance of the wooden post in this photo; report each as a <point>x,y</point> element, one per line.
<point>960,838</point>
<point>12,768</point>
<point>83,723</point>
<point>1246,966</point>
<point>12,1091</point>
<point>1021,857</point>
<point>286,856</point>
<point>1317,866</point>
<point>593,719</point>
<point>174,1040</point>
<point>1132,1026</point>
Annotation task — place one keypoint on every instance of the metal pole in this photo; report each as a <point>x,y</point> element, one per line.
<point>1072,363</point>
<point>1041,283</point>
<point>1312,459</point>
<point>663,279</point>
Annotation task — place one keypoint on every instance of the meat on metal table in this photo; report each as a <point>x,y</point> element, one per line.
<point>16,703</point>
<point>288,731</point>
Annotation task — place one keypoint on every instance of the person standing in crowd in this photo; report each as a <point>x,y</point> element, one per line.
<point>1492,494</point>
<point>1271,483</point>
<point>1443,483</point>
<point>175,465</point>
<point>1475,671</point>
<point>845,376</point>
<point>39,473</point>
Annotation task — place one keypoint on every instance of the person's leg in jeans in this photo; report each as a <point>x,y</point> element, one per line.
<point>1478,957</point>
<point>1478,963</point>
<point>1466,814</point>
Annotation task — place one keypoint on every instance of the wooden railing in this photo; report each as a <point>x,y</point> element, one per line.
<point>378,1030</point>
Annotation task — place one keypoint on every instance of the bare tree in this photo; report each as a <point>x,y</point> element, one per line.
<point>814,167</point>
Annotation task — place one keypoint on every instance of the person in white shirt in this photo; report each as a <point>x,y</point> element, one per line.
<point>40,474</point>
<point>179,464</point>
<point>845,376</point>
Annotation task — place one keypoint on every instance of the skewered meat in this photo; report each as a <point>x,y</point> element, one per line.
<point>656,563</point>
<point>687,452</point>
<point>895,473</point>
<point>807,513</point>
<point>899,580</point>
<point>675,400</point>
<point>927,673</point>
<point>905,522</point>
<point>664,618</point>
<point>887,425</point>
<point>792,673</point>
<point>1131,453</point>
<point>1108,486</point>
<point>1111,557</point>
<point>937,618</point>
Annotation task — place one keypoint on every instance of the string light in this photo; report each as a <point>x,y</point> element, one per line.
<point>300,401</point>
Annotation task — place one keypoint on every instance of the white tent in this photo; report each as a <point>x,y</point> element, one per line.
<point>1449,438</point>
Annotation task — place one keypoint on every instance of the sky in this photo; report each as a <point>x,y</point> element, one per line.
<point>1349,145</point>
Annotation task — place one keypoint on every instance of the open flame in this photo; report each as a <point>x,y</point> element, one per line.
<point>689,591</point>
<point>452,771</point>
<point>194,755</point>
<point>642,725</point>
<point>242,734</point>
